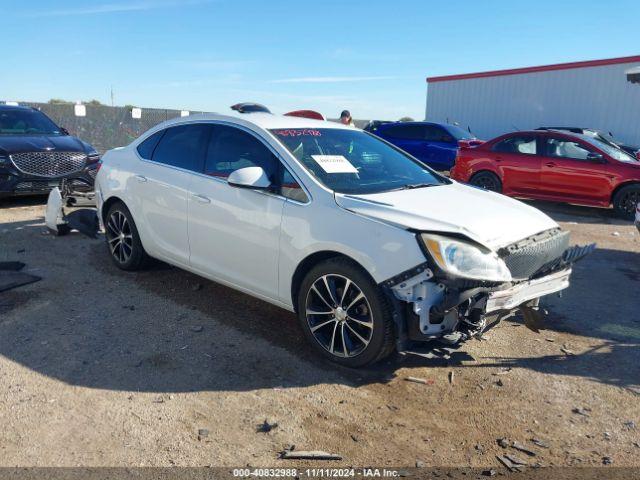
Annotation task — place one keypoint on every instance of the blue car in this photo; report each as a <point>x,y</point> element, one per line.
<point>435,144</point>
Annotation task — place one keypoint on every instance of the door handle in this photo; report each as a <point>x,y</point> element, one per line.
<point>498,159</point>
<point>141,178</point>
<point>201,198</point>
<point>550,164</point>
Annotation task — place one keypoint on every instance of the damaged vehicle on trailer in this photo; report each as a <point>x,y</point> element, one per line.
<point>373,250</point>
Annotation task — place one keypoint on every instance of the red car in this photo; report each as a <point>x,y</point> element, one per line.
<point>553,165</point>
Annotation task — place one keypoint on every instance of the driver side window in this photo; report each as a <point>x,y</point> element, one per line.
<point>231,149</point>
<point>563,148</point>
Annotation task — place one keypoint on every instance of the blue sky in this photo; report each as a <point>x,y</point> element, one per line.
<point>371,57</point>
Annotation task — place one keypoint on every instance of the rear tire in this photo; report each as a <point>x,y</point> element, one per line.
<point>352,324</point>
<point>123,239</point>
<point>486,180</point>
<point>625,201</point>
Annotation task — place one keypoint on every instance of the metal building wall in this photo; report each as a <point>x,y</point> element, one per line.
<point>597,97</point>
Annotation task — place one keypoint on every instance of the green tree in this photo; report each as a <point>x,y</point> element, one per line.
<point>58,101</point>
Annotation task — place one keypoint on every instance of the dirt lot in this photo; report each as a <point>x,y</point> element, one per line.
<point>103,368</point>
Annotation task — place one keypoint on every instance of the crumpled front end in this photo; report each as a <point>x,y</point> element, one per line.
<point>449,300</point>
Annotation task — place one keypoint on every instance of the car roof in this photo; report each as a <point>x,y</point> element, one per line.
<point>539,131</point>
<point>564,133</point>
<point>16,107</point>
<point>389,124</point>
<point>536,132</point>
<point>571,129</point>
<point>264,121</point>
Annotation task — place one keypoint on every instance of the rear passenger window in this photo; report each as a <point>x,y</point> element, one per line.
<point>182,146</point>
<point>231,148</point>
<point>519,144</point>
<point>436,134</point>
<point>146,148</point>
<point>405,132</point>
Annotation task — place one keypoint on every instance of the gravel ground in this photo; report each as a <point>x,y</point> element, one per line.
<point>103,368</point>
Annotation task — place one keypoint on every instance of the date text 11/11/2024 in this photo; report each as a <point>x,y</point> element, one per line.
<point>317,473</point>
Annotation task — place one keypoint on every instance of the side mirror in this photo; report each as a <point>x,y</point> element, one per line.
<point>64,131</point>
<point>595,157</point>
<point>249,177</point>
<point>638,155</point>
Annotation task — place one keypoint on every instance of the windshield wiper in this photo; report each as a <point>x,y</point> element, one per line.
<point>411,186</point>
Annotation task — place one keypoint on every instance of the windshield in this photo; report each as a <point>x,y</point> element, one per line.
<point>459,133</point>
<point>598,135</point>
<point>614,152</point>
<point>606,137</point>
<point>355,162</point>
<point>26,122</point>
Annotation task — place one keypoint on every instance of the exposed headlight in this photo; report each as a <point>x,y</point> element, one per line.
<point>465,260</point>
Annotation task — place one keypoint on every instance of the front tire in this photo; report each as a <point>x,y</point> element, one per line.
<point>487,180</point>
<point>123,239</point>
<point>625,201</point>
<point>344,314</point>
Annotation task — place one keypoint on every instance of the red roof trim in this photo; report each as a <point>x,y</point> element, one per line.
<point>543,68</point>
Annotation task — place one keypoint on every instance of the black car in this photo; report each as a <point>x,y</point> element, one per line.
<point>373,125</point>
<point>36,154</point>
<point>598,135</point>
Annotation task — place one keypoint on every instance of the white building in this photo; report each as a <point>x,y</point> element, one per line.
<point>597,94</point>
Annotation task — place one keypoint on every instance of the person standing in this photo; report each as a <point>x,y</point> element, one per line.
<point>345,118</point>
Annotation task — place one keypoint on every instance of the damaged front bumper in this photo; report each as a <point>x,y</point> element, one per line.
<point>81,214</point>
<point>523,292</point>
<point>429,306</point>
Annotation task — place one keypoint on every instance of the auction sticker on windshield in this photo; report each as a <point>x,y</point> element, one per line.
<point>334,164</point>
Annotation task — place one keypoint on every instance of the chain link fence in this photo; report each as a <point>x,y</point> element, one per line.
<point>105,127</point>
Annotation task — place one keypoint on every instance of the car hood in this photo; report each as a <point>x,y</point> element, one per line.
<point>36,143</point>
<point>488,218</point>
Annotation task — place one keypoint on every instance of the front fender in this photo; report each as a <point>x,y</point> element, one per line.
<point>383,250</point>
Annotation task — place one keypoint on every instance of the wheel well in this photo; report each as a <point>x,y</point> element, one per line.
<point>484,170</point>
<point>308,263</point>
<point>620,187</point>
<point>107,205</point>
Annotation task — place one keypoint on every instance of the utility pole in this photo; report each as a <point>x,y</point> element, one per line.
<point>112,95</point>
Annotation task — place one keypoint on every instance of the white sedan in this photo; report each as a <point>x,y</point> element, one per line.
<point>373,250</point>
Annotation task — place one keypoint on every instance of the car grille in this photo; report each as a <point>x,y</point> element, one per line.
<point>49,164</point>
<point>528,256</point>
